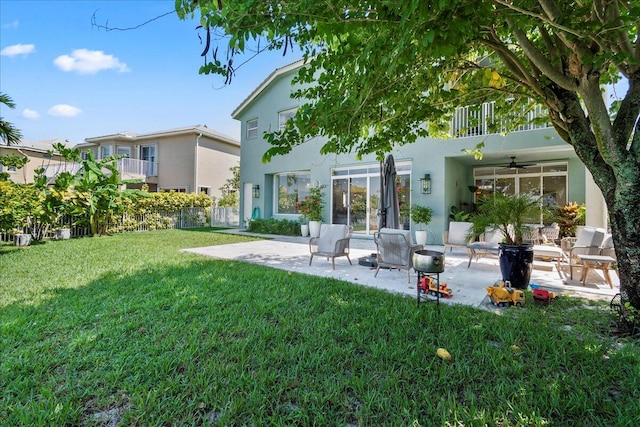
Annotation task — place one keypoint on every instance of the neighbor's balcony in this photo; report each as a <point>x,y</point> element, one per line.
<point>128,169</point>
<point>138,169</point>
<point>474,121</point>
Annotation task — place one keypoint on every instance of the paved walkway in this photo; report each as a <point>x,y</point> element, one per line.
<point>468,284</point>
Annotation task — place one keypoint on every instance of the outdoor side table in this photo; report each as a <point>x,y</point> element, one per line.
<point>599,262</point>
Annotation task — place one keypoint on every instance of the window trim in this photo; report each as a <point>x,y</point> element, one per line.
<point>252,129</point>
<point>283,113</point>
<point>276,205</point>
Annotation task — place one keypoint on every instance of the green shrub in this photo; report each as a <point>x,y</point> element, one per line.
<point>282,227</point>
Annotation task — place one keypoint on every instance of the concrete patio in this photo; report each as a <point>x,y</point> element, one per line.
<point>468,284</point>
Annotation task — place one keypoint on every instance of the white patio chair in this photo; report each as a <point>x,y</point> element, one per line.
<point>333,242</point>
<point>587,242</point>
<point>457,236</point>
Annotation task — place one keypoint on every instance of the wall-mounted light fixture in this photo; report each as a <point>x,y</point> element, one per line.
<point>256,191</point>
<point>425,184</point>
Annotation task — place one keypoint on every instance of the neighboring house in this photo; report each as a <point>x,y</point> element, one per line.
<point>38,153</point>
<point>353,186</point>
<point>192,159</point>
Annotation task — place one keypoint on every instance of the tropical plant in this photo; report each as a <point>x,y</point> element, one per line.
<point>421,214</point>
<point>12,161</point>
<point>506,213</point>
<point>457,214</point>
<point>311,206</point>
<point>231,190</point>
<point>9,134</point>
<point>382,74</point>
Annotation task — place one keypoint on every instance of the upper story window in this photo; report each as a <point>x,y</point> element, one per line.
<point>105,151</point>
<point>123,151</point>
<point>252,129</point>
<point>285,116</point>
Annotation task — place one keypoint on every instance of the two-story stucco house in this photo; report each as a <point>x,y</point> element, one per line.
<point>189,159</point>
<point>353,186</point>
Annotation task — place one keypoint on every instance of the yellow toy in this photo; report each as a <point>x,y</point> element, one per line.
<point>503,295</point>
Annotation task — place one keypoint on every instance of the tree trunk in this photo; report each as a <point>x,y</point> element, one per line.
<point>613,160</point>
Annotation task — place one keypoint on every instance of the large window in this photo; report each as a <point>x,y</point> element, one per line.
<point>547,181</point>
<point>123,151</point>
<point>285,116</point>
<point>291,188</point>
<point>105,151</point>
<point>252,129</point>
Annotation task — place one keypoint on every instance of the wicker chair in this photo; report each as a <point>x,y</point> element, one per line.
<point>395,250</point>
<point>333,242</point>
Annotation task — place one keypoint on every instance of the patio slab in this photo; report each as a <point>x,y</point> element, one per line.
<point>468,284</point>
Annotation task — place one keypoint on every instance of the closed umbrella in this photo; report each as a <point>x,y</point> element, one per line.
<point>389,209</point>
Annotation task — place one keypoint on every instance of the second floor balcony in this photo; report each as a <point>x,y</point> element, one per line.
<point>128,168</point>
<point>478,120</point>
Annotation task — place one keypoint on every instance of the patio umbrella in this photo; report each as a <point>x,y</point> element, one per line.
<point>389,210</point>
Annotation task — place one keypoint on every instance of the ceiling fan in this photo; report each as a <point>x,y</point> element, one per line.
<point>515,165</point>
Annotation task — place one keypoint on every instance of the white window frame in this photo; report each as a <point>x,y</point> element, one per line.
<point>252,128</point>
<point>108,149</point>
<point>126,148</point>
<point>284,116</point>
<point>276,192</point>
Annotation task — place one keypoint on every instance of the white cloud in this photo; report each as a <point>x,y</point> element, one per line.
<point>30,114</point>
<point>10,25</point>
<point>18,49</point>
<point>86,61</point>
<point>64,110</point>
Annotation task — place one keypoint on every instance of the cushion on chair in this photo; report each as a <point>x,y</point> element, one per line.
<point>405,233</point>
<point>458,233</point>
<point>329,235</point>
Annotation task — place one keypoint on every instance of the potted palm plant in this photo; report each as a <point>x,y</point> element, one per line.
<point>311,207</point>
<point>421,215</point>
<point>509,214</point>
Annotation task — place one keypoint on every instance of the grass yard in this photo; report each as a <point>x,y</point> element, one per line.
<point>127,330</point>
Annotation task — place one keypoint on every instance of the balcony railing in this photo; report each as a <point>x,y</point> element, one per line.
<point>127,167</point>
<point>477,120</point>
<point>140,168</point>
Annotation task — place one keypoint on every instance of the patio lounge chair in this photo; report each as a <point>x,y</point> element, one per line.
<point>395,250</point>
<point>488,244</point>
<point>587,242</point>
<point>333,242</point>
<point>457,236</point>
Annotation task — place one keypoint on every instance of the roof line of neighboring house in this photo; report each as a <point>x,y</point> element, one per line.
<point>132,136</point>
<point>262,86</point>
<point>37,146</point>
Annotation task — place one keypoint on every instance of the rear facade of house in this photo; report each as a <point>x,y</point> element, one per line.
<point>352,191</point>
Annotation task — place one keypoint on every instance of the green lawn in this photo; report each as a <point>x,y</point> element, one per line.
<point>127,330</point>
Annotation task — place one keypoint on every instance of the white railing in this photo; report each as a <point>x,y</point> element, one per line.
<point>476,121</point>
<point>137,167</point>
<point>51,171</point>
<point>225,217</point>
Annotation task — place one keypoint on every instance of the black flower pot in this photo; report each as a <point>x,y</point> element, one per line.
<point>516,263</point>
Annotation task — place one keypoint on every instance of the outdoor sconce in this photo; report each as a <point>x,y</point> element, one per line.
<point>256,191</point>
<point>426,184</point>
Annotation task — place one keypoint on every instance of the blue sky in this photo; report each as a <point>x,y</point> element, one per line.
<point>73,81</point>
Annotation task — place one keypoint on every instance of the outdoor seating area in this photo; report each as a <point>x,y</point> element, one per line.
<point>332,243</point>
<point>390,270</point>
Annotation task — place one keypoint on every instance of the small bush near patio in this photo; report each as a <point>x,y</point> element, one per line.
<point>128,330</point>
<point>281,227</point>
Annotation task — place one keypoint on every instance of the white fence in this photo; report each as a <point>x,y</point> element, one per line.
<point>225,217</point>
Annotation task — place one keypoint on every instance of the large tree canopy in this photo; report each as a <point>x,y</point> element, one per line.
<point>388,72</point>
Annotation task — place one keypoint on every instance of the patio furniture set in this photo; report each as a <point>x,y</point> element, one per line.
<point>592,249</point>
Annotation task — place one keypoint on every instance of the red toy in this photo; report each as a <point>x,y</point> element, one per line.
<point>543,297</point>
<point>428,285</point>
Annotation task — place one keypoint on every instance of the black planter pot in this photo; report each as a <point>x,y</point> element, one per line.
<point>516,263</point>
